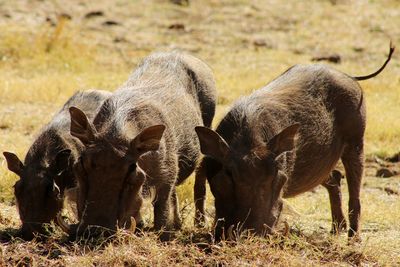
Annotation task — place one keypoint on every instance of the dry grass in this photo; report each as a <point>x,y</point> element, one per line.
<point>45,57</point>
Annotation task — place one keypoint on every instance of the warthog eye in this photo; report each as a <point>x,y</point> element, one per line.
<point>132,168</point>
<point>17,188</point>
<point>131,179</point>
<point>79,168</point>
<point>81,163</point>
<point>228,172</point>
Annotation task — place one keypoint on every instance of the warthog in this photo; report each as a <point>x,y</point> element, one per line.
<point>143,133</point>
<point>47,171</point>
<point>283,140</point>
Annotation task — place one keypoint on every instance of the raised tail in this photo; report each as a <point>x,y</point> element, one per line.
<point>391,50</point>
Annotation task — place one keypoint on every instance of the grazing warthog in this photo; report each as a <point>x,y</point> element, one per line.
<point>316,115</point>
<point>47,170</point>
<point>143,133</point>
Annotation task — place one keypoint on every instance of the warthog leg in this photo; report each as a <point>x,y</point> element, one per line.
<point>353,162</point>
<point>335,198</point>
<point>200,195</point>
<point>162,207</point>
<point>175,207</point>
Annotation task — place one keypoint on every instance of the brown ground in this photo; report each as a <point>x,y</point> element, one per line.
<point>49,49</point>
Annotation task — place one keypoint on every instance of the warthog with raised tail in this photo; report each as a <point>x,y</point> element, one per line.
<point>47,170</point>
<point>143,133</point>
<point>283,140</point>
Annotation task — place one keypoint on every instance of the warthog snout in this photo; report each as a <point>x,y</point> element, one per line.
<point>85,231</point>
<point>29,230</point>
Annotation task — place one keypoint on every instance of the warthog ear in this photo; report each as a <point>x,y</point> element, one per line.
<point>212,144</point>
<point>62,160</point>
<point>13,163</point>
<point>147,140</point>
<point>81,128</point>
<point>285,140</point>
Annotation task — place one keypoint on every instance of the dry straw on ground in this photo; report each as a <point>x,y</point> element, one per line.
<point>49,49</point>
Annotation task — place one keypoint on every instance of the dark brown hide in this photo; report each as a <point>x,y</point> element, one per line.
<point>283,140</point>
<point>143,134</point>
<point>47,170</point>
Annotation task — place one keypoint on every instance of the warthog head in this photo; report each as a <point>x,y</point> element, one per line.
<point>109,177</point>
<point>246,181</point>
<point>37,192</point>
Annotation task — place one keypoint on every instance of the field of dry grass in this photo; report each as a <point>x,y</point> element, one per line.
<point>51,48</point>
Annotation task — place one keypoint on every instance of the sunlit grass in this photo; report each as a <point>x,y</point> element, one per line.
<point>41,66</point>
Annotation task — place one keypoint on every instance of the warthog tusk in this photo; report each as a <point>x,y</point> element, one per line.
<point>63,224</point>
<point>287,227</point>
<point>230,233</point>
<point>133,225</point>
<point>267,229</point>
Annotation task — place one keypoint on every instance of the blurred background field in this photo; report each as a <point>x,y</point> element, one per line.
<point>51,48</point>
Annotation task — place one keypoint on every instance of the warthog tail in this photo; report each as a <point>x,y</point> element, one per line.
<point>391,50</point>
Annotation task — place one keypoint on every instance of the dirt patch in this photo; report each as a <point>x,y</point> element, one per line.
<point>384,168</point>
